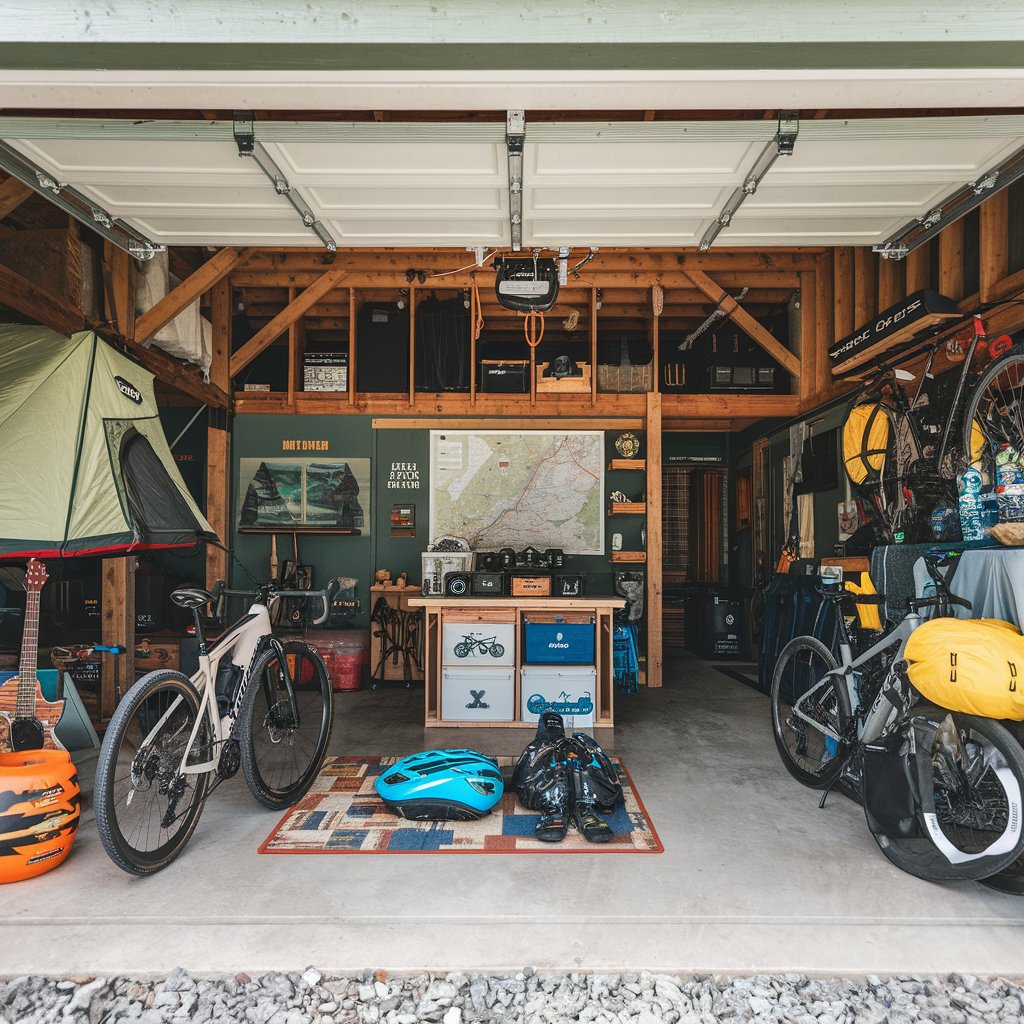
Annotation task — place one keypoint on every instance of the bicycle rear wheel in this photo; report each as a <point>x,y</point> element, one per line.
<point>284,723</point>
<point>146,810</point>
<point>1011,878</point>
<point>977,805</point>
<point>810,755</point>
<point>995,412</point>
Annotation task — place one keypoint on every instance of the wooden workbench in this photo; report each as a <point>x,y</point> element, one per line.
<point>511,609</point>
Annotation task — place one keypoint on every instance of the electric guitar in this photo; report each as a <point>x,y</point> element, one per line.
<point>27,720</point>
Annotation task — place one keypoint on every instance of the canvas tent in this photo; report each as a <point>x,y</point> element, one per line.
<point>85,465</point>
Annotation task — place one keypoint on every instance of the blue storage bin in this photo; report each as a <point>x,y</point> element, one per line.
<point>555,639</point>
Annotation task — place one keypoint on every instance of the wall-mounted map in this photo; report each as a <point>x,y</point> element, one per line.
<point>306,493</point>
<point>502,489</point>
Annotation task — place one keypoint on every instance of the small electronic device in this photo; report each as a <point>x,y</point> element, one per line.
<point>555,558</point>
<point>457,584</point>
<point>488,584</point>
<point>524,585</point>
<point>569,585</point>
<point>526,285</point>
<point>488,561</point>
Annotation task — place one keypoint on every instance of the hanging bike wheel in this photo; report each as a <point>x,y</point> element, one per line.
<point>810,755</point>
<point>994,414</point>
<point>146,808</point>
<point>284,723</point>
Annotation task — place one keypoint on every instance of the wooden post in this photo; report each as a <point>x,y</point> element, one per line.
<point>473,312</point>
<point>117,627</point>
<point>825,331</point>
<point>351,346</point>
<point>917,269</point>
<point>951,261</point>
<point>843,290</point>
<point>593,345</point>
<point>890,285</point>
<point>218,491</point>
<point>993,242</point>
<point>865,286</point>
<point>654,545</point>
<point>220,321</point>
<point>809,352</point>
<point>293,355</point>
<point>122,289</point>
<point>656,342</point>
<point>412,345</point>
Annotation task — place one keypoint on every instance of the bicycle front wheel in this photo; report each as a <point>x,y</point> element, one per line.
<point>146,808</point>
<point>802,728</point>
<point>1011,878</point>
<point>284,723</point>
<point>977,807</point>
<point>995,412</point>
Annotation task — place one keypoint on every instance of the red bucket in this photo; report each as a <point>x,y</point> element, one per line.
<point>346,655</point>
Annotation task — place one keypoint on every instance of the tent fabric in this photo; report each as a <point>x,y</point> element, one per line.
<point>76,478</point>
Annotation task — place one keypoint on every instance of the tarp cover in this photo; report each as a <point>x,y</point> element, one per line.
<point>84,462</point>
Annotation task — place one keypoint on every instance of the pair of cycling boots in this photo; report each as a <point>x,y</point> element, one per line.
<point>568,780</point>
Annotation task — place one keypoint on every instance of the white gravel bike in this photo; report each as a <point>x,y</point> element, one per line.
<point>255,703</point>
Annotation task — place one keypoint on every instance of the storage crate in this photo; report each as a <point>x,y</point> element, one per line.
<point>563,385</point>
<point>470,644</point>
<point>435,564</point>
<point>567,690</point>
<point>478,694</point>
<point>629,379</point>
<point>559,638</point>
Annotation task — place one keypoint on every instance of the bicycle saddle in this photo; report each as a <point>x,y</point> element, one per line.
<point>191,597</point>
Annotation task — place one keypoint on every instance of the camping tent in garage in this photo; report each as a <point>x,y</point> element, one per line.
<point>85,466</point>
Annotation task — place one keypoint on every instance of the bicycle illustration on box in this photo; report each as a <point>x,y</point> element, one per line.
<point>473,645</point>
<point>564,704</point>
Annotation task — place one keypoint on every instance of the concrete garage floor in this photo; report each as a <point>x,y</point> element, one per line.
<point>754,877</point>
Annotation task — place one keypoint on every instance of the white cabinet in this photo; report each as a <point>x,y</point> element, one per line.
<point>478,694</point>
<point>478,644</point>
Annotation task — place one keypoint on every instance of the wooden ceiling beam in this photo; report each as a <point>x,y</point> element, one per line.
<point>12,194</point>
<point>28,299</point>
<point>718,295</point>
<point>213,270</point>
<point>289,315</point>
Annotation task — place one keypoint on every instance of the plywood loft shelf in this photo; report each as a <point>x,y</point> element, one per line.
<point>334,531</point>
<point>629,556</point>
<point>628,508</point>
<point>638,464</point>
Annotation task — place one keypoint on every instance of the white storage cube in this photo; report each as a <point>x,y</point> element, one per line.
<point>478,644</point>
<point>478,694</point>
<point>569,689</point>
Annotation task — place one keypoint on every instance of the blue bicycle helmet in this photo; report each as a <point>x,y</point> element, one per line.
<point>442,785</point>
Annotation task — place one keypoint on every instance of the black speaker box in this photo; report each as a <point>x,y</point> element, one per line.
<point>382,347</point>
<point>458,584</point>
<point>488,584</point>
<point>569,586</point>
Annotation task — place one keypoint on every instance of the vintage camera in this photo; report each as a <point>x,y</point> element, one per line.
<point>488,584</point>
<point>457,584</point>
<point>569,585</point>
<point>488,561</point>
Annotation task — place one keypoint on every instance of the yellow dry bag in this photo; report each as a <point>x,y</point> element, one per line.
<point>865,442</point>
<point>971,665</point>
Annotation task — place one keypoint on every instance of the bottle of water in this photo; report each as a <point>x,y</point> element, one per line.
<point>970,505</point>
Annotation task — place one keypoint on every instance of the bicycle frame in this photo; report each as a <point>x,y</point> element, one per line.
<point>883,711</point>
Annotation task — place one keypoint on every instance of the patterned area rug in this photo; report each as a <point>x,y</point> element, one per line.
<point>343,814</point>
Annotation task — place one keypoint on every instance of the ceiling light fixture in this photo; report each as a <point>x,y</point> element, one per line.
<point>515,141</point>
<point>781,145</point>
<point>952,208</point>
<point>78,205</point>
<point>245,140</point>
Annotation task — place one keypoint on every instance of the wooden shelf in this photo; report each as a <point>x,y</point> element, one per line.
<point>301,529</point>
<point>628,508</point>
<point>637,557</point>
<point>636,464</point>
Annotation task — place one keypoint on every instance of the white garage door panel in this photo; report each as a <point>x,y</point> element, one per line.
<point>394,159</point>
<point>758,230</point>
<point>416,231</point>
<point>599,231</point>
<point>626,199</point>
<point>672,160</point>
<point>409,200</point>
<point>84,160</point>
<point>156,200</point>
<point>850,198</point>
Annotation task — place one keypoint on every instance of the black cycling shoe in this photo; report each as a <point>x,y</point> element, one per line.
<point>552,828</point>
<point>590,826</point>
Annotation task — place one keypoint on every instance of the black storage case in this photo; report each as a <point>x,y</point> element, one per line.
<point>382,348</point>
<point>442,345</point>
<point>505,376</point>
<point>716,624</point>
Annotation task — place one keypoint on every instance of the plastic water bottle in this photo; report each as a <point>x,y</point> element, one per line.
<point>970,505</point>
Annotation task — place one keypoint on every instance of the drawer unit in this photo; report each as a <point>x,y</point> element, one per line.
<point>560,639</point>
<point>478,694</point>
<point>569,690</point>
<point>478,644</point>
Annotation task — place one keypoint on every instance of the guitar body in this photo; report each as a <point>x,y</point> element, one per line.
<point>21,732</point>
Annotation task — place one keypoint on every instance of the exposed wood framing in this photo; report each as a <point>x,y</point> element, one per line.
<point>12,194</point>
<point>865,286</point>
<point>218,487</point>
<point>890,283</point>
<point>1008,288</point>
<point>295,341</point>
<point>26,297</point>
<point>655,663</point>
<point>951,261</point>
<point>119,271</point>
<point>993,243</point>
<point>352,346</point>
<point>593,346</point>
<point>825,328</point>
<point>509,423</point>
<point>220,322</point>
<point>718,295</point>
<point>180,376</point>
<point>412,345</point>
<point>810,352</point>
<point>177,299</point>
<point>117,627</point>
<point>272,331</point>
<point>918,269</point>
<point>842,265</point>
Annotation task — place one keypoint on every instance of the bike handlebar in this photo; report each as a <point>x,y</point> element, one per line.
<point>270,593</point>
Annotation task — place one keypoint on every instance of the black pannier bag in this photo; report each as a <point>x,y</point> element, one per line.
<point>897,771</point>
<point>382,348</point>
<point>442,345</point>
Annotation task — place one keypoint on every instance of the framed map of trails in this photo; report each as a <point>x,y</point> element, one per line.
<point>306,494</point>
<point>512,489</point>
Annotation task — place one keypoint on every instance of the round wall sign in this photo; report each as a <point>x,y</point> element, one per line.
<point>627,445</point>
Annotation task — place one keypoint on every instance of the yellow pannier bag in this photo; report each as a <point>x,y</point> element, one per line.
<point>867,613</point>
<point>971,665</point>
<point>865,442</point>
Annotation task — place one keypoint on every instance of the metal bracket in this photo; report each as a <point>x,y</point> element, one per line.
<point>782,144</point>
<point>515,143</point>
<point>245,140</point>
<point>78,205</point>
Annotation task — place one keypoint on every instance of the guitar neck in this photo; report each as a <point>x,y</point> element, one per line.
<point>29,656</point>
